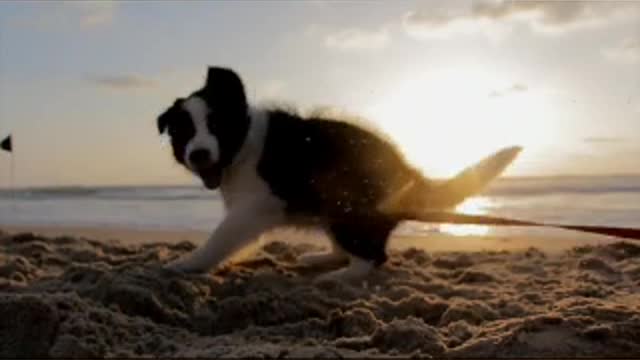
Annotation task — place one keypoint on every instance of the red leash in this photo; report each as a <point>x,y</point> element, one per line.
<point>455,218</point>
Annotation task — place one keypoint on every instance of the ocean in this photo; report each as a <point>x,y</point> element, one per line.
<point>598,200</point>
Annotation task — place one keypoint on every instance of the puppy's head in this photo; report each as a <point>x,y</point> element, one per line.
<point>208,127</point>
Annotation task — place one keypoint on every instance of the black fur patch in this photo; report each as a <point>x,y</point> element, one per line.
<point>177,122</point>
<point>335,169</point>
<point>328,167</point>
<point>228,119</point>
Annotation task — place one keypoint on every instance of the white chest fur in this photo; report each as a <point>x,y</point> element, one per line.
<point>241,185</point>
<point>252,208</point>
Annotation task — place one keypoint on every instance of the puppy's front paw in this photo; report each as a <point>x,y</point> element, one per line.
<point>356,270</point>
<point>340,275</point>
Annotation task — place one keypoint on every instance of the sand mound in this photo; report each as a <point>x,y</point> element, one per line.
<point>77,297</point>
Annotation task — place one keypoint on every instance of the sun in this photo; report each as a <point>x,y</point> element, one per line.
<point>472,206</point>
<point>446,120</point>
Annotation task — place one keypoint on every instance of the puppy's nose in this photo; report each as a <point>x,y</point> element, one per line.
<point>199,157</point>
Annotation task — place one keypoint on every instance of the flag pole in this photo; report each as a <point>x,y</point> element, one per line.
<point>12,180</point>
<point>7,145</point>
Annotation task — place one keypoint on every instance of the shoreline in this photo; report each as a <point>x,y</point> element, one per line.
<point>119,234</point>
<point>431,243</point>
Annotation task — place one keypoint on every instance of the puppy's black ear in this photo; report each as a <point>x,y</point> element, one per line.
<point>224,87</point>
<point>165,117</point>
<point>163,122</point>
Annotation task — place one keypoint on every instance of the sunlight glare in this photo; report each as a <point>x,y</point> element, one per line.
<point>447,120</point>
<point>472,206</point>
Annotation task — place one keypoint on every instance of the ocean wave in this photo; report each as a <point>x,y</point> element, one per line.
<point>502,187</point>
<point>565,185</point>
<point>142,193</point>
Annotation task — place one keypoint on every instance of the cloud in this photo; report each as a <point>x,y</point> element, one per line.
<point>604,140</point>
<point>63,14</point>
<point>358,39</point>
<point>513,89</point>
<point>122,82</point>
<point>273,88</point>
<point>627,51</point>
<point>268,91</point>
<point>545,17</point>
<point>94,13</point>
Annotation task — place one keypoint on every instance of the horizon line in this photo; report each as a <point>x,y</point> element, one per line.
<point>157,185</point>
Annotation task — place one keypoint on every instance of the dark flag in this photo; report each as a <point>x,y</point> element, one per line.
<point>6,144</point>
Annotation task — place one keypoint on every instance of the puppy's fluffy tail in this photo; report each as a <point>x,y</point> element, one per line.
<point>422,195</point>
<point>470,181</point>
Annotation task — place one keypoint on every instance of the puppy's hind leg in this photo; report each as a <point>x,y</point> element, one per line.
<point>365,239</point>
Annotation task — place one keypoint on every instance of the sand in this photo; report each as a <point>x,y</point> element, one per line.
<point>111,234</point>
<point>68,296</point>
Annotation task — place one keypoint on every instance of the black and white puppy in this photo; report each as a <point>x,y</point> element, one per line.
<point>277,168</point>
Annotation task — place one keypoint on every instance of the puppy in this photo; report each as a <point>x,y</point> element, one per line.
<point>274,168</point>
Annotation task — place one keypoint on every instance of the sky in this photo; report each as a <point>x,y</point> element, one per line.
<point>82,83</point>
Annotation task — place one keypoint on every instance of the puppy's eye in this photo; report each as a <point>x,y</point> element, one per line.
<point>181,127</point>
<point>182,131</point>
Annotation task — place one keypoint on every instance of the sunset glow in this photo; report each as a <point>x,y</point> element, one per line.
<point>472,206</point>
<point>448,81</point>
<point>450,119</point>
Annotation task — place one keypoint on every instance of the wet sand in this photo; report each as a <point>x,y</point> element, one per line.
<point>111,234</point>
<point>433,243</point>
<point>87,296</point>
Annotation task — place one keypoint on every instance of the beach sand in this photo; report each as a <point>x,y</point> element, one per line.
<point>90,295</point>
